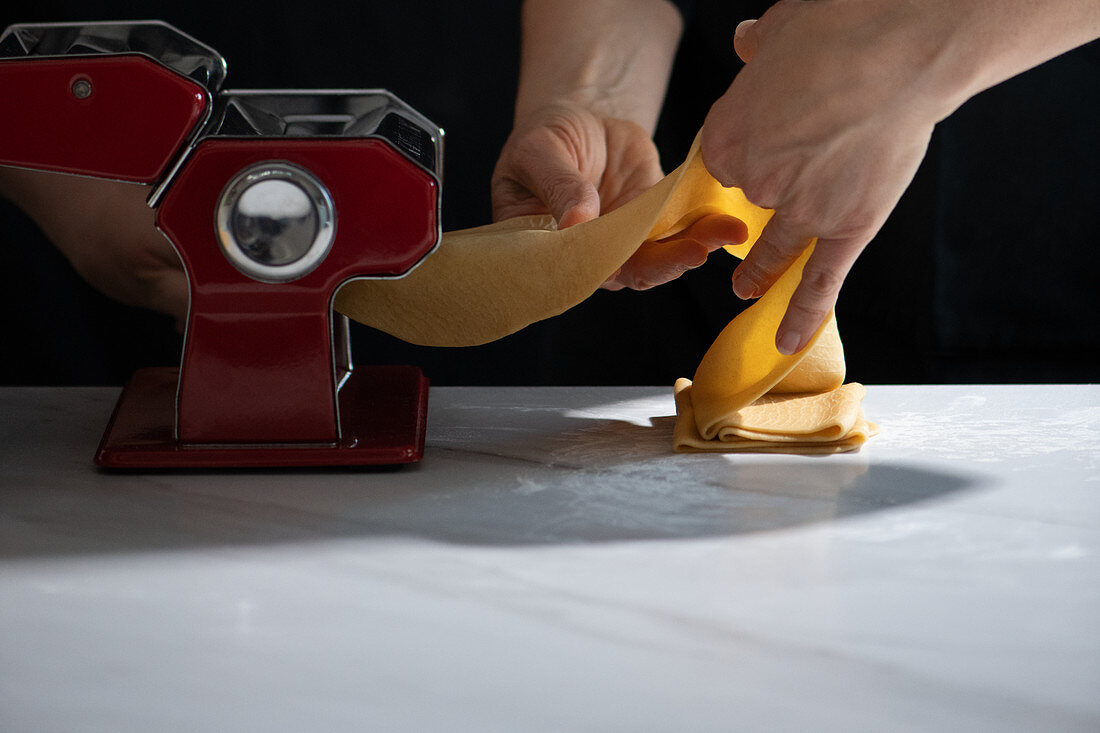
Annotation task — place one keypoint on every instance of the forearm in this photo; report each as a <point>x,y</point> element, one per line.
<point>74,209</point>
<point>106,231</point>
<point>57,203</point>
<point>19,186</point>
<point>832,114</point>
<point>986,42</point>
<point>612,57</point>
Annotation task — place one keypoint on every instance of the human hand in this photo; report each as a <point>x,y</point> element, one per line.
<point>568,162</point>
<point>107,232</point>
<point>827,124</point>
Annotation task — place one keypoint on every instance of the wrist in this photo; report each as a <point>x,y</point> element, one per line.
<point>611,58</point>
<point>576,109</point>
<point>27,189</point>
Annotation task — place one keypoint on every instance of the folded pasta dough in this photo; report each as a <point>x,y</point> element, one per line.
<point>485,283</point>
<point>826,422</point>
<point>747,396</point>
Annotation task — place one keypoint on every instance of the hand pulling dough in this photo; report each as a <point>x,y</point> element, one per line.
<point>484,283</point>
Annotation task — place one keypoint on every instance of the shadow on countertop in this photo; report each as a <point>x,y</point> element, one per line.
<point>540,476</point>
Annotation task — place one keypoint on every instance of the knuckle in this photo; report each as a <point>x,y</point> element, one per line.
<point>753,275</point>
<point>763,189</point>
<point>559,187</point>
<point>764,256</point>
<point>813,312</point>
<point>776,246</point>
<point>721,151</point>
<point>717,162</point>
<point>505,188</point>
<point>758,193</point>
<point>803,213</point>
<point>821,283</point>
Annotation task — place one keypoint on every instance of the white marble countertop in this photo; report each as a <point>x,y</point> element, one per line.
<point>553,566</point>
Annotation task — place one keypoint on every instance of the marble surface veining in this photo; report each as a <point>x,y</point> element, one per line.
<point>552,566</point>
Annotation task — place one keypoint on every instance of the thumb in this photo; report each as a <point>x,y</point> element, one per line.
<point>542,181</point>
<point>570,198</point>
<point>745,40</point>
<point>585,208</point>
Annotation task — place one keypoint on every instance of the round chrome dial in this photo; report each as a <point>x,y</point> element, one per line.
<point>275,221</point>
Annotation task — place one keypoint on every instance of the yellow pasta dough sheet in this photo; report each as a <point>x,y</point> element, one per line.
<point>485,283</point>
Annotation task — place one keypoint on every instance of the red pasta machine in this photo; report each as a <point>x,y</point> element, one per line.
<point>273,200</point>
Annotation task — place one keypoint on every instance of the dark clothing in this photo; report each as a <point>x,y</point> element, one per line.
<point>984,272</point>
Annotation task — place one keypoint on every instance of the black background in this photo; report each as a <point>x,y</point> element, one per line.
<point>986,272</point>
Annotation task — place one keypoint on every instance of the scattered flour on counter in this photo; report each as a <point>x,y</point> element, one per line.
<point>955,434</point>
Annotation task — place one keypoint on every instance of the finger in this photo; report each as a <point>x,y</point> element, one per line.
<point>658,263</point>
<point>539,182</point>
<point>745,40</point>
<point>713,231</point>
<point>561,187</point>
<point>816,294</point>
<point>613,282</point>
<point>779,245</point>
<point>510,199</point>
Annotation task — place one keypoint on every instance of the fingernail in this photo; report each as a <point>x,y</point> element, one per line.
<point>565,215</point>
<point>743,288</point>
<point>788,343</point>
<point>741,28</point>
